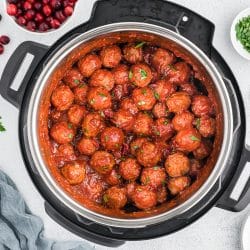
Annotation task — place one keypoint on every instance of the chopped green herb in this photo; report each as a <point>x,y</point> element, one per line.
<point>135,147</point>
<point>102,95</point>
<point>82,85</point>
<point>76,81</point>
<point>157,96</point>
<point>140,103</point>
<point>123,158</point>
<point>105,198</point>
<point>139,45</point>
<point>156,167</point>
<point>2,128</point>
<point>118,176</point>
<point>92,101</point>
<point>143,74</point>
<point>163,183</point>
<point>157,132</point>
<point>194,138</point>
<point>102,114</point>
<point>130,74</point>
<point>165,122</point>
<point>242,29</point>
<point>70,136</point>
<point>106,138</point>
<point>70,125</point>
<point>144,91</point>
<point>147,180</point>
<point>117,145</point>
<point>172,67</point>
<point>198,123</point>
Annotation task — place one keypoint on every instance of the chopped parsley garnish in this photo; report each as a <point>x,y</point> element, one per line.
<point>163,183</point>
<point>106,138</point>
<point>172,67</point>
<point>165,122</point>
<point>130,74</point>
<point>70,136</point>
<point>82,85</point>
<point>156,167</point>
<point>147,180</point>
<point>92,101</point>
<point>76,81</point>
<point>70,125</point>
<point>139,45</point>
<point>140,103</point>
<point>157,96</point>
<point>105,198</point>
<point>102,95</point>
<point>143,74</point>
<point>135,147</point>
<point>194,138</point>
<point>2,128</point>
<point>144,91</point>
<point>198,123</point>
<point>242,29</point>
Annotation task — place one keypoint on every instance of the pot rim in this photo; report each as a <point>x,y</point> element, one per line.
<point>32,122</point>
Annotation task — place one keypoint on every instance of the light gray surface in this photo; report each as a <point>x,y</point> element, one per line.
<point>218,229</point>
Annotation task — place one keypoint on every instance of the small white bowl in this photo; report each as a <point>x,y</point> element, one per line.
<point>237,45</point>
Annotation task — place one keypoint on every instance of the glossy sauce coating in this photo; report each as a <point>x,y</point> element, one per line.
<point>130,129</point>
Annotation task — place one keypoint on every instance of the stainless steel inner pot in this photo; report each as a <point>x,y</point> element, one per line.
<point>32,123</point>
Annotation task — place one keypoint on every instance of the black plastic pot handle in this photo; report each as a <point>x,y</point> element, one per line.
<point>178,18</point>
<point>232,199</point>
<point>81,231</point>
<point>12,67</point>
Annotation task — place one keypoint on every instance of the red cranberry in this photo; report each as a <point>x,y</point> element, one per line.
<point>27,5</point>
<point>21,20</point>
<point>43,27</point>
<point>31,25</point>
<point>29,15</point>
<point>55,24</point>
<point>47,10</point>
<point>46,1</point>
<point>4,39</point>
<point>55,4</point>
<point>38,6</point>
<point>1,49</point>
<point>30,1</point>
<point>60,16</point>
<point>68,11</point>
<point>12,9</point>
<point>39,18</point>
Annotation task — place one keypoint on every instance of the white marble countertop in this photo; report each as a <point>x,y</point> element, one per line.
<point>218,229</point>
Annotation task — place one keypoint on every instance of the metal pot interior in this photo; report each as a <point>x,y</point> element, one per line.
<point>124,32</point>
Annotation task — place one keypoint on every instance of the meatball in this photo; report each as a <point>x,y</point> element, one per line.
<point>183,120</point>
<point>179,73</point>
<point>102,78</point>
<point>124,119</point>
<point>143,124</point>
<point>121,74</point>
<point>66,152</point>
<point>189,88</point>
<point>115,197</point>
<point>132,53</point>
<point>112,138</point>
<point>178,102</point>
<point>163,128</point>
<point>187,140</point>
<point>129,169</point>
<point>206,126</point>
<point>162,59</point>
<point>143,98</point>
<point>153,176</point>
<point>89,64</point>
<point>92,124</point>
<point>144,198</point>
<point>178,184</point>
<point>80,93</point>
<point>74,172</point>
<point>201,105</point>
<point>73,78</point>
<point>62,132</point>
<point>163,89</point>
<point>149,154</point>
<point>160,110</point>
<point>136,144</point>
<point>111,56</point>
<point>87,146</point>
<point>140,74</point>
<point>128,104</point>
<point>62,98</point>
<point>177,164</point>
<point>203,150</point>
<point>99,98</point>
<point>76,114</point>
<point>113,178</point>
<point>102,162</point>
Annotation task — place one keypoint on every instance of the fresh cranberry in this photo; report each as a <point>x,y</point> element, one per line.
<point>43,27</point>
<point>55,24</point>
<point>56,4</point>
<point>60,16</point>
<point>29,15</point>
<point>31,25</point>
<point>21,21</point>
<point>30,1</point>
<point>27,5</point>
<point>47,10</point>
<point>11,9</point>
<point>46,1</point>
<point>68,3</point>
<point>38,6</point>
<point>68,11</point>
<point>4,39</point>
<point>39,18</point>
<point>1,49</point>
